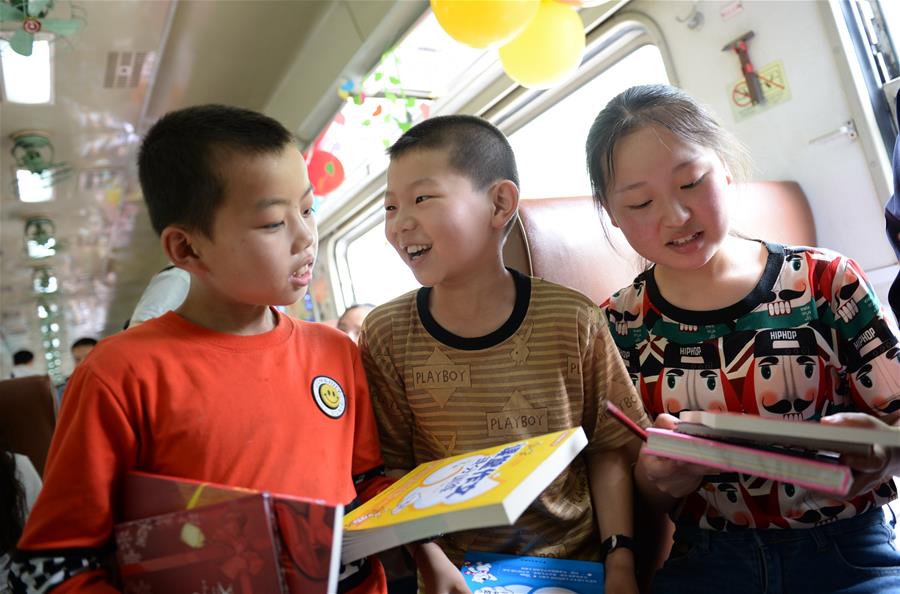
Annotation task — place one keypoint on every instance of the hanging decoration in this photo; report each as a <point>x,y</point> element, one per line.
<point>30,17</point>
<point>377,110</point>
<point>396,109</point>
<point>548,50</point>
<point>484,23</point>
<point>326,172</point>
<point>351,89</point>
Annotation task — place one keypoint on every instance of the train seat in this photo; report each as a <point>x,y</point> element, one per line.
<point>28,410</point>
<point>563,240</point>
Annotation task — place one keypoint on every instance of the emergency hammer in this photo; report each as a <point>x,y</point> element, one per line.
<point>739,46</point>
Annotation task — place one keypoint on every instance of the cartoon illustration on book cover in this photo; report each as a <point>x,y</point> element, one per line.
<point>460,481</point>
<point>491,573</point>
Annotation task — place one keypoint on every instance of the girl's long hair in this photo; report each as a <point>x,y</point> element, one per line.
<point>666,107</point>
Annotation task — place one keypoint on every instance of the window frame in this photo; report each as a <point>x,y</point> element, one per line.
<point>878,86</point>
<point>869,112</point>
<point>610,35</point>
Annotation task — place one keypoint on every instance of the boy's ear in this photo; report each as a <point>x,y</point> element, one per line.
<point>179,246</point>
<point>504,202</point>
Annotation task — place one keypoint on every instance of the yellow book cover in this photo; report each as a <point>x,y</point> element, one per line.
<point>488,487</point>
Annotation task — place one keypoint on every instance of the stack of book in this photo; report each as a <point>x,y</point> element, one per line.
<point>806,454</point>
<point>177,535</point>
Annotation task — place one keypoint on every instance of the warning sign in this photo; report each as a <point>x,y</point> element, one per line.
<point>775,89</point>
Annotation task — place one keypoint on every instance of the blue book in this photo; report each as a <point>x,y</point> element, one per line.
<point>490,573</point>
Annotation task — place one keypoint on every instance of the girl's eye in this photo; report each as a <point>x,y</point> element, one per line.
<point>644,204</point>
<point>389,208</point>
<point>274,226</point>
<point>308,212</point>
<point>421,198</point>
<point>694,183</point>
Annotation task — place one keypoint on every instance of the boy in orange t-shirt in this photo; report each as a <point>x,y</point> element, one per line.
<point>225,389</point>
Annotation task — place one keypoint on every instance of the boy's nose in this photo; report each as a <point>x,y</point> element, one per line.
<point>304,234</point>
<point>404,221</point>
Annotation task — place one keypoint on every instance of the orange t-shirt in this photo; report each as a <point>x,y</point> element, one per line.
<point>286,411</point>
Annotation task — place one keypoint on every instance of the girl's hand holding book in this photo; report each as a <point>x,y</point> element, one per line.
<point>881,463</point>
<point>675,479</point>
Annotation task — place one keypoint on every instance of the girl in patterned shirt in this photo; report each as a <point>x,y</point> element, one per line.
<point>721,322</point>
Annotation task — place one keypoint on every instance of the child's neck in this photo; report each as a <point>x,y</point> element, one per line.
<point>228,318</point>
<point>727,278</point>
<point>476,305</point>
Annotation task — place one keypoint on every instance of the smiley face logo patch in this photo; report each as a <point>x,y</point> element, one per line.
<point>329,396</point>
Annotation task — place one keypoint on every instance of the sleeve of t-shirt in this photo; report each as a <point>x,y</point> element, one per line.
<point>388,397</point>
<point>69,530</point>
<point>606,379</point>
<point>869,341</point>
<point>165,292</point>
<point>368,468</point>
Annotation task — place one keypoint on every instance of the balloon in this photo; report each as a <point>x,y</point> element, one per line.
<point>326,172</point>
<point>484,23</point>
<point>547,50</point>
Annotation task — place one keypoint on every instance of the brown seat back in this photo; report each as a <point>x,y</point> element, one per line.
<point>563,240</point>
<point>28,416</point>
<point>774,210</point>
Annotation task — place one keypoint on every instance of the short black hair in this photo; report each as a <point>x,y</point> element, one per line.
<point>475,147</point>
<point>178,163</point>
<point>23,357</point>
<point>86,341</point>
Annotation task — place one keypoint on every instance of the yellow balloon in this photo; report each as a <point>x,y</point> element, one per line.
<point>547,50</point>
<point>484,23</point>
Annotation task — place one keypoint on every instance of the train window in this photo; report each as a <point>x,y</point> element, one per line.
<point>424,72</point>
<point>559,170</point>
<point>889,12</point>
<point>881,23</point>
<point>375,271</point>
<point>618,55</point>
<point>873,24</point>
<point>404,88</point>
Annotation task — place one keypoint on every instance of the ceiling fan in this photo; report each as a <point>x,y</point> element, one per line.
<point>32,16</point>
<point>33,152</point>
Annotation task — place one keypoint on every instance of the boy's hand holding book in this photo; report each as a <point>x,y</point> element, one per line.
<point>439,575</point>
<point>620,576</point>
<point>882,463</point>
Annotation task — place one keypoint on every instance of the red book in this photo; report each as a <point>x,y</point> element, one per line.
<point>179,535</point>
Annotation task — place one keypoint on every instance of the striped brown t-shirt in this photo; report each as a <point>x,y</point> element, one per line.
<point>550,367</point>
